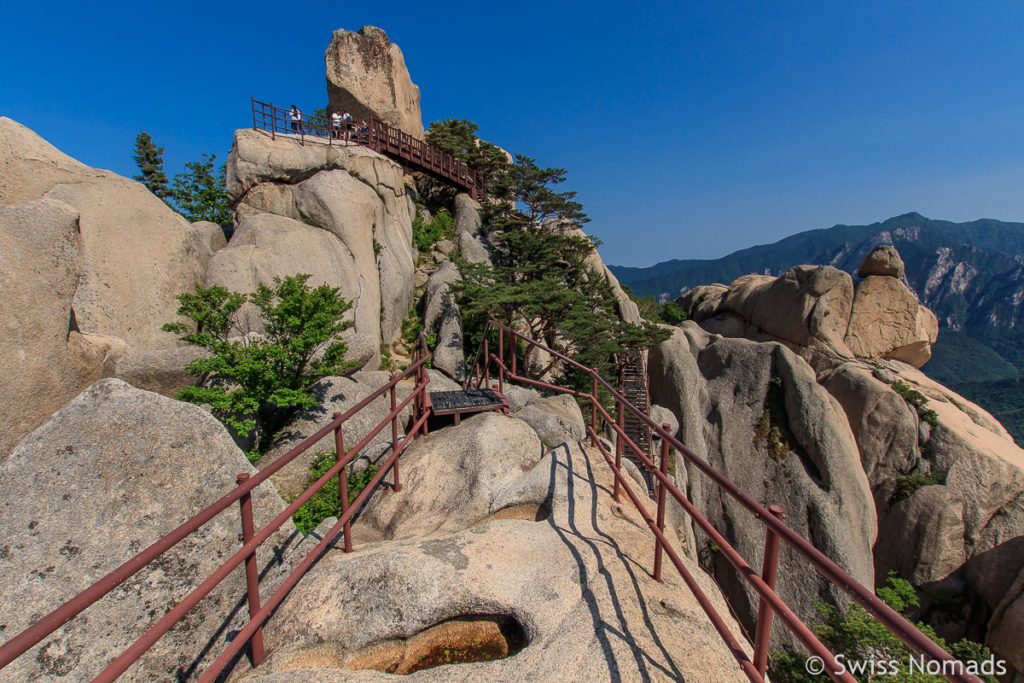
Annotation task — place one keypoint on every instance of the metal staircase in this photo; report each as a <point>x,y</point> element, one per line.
<point>633,385</point>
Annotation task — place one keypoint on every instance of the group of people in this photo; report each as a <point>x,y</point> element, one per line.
<point>343,126</point>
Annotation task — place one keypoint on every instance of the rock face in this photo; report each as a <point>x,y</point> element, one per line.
<point>556,420</point>
<point>887,322</point>
<point>817,312</point>
<point>367,76</point>
<point>40,259</point>
<point>101,261</point>
<point>137,254</point>
<point>547,581</point>
<point>343,214</point>
<point>455,478</point>
<point>725,395</point>
<point>946,478</point>
<point>105,477</point>
<point>882,260</point>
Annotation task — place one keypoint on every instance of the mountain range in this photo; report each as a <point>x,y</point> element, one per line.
<point>970,274</point>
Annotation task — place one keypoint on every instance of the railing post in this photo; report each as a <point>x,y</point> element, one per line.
<point>501,360</point>
<point>661,507</point>
<point>620,420</point>
<point>593,413</point>
<point>423,394</point>
<point>513,347</point>
<point>769,570</point>
<point>252,577</point>
<point>487,363</point>
<point>339,454</point>
<point>394,432</point>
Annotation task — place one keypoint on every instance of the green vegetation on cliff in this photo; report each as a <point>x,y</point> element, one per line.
<point>263,375</point>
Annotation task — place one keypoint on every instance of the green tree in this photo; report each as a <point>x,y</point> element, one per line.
<point>861,638</point>
<point>458,138</point>
<point>199,194</point>
<point>263,375</point>
<point>150,160</point>
<point>540,278</point>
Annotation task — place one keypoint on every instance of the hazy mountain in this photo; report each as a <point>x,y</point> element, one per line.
<point>970,274</point>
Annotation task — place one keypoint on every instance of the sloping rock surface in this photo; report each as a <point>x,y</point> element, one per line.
<point>105,477</point>
<point>721,391</point>
<point>576,582</point>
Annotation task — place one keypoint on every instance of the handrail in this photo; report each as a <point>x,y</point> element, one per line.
<point>43,627</point>
<point>892,620</point>
<point>375,134</point>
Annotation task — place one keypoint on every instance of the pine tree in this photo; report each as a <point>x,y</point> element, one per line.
<point>458,138</point>
<point>199,194</point>
<point>149,158</point>
<point>541,280</point>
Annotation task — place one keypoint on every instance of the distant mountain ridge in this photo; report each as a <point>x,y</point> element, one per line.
<point>970,274</point>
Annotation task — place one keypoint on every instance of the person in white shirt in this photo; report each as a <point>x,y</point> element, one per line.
<point>296,117</point>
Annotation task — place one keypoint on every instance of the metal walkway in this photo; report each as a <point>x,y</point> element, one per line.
<point>378,136</point>
<point>466,401</point>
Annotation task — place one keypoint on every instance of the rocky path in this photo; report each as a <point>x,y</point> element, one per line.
<point>555,557</point>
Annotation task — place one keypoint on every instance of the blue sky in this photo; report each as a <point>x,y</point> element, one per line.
<point>689,130</point>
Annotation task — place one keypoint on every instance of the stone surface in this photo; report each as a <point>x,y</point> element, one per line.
<point>333,395</point>
<point>807,305</point>
<point>351,193</point>
<point>882,260</point>
<point>105,477</point>
<point>448,353</point>
<point>885,427</point>
<point>137,255</point>
<point>452,479</point>
<point>367,76</point>
<point>161,371</point>
<point>578,582</point>
<point>888,322</point>
<point>556,420</point>
<point>41,263</point>
<point>719,389</point>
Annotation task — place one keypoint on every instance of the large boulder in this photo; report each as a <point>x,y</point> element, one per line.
<point>105,477</point>
<point>887,321</point>
<point>508,586</point>
<point>358,202</point>
<point>556,420</point>
<point>367,76</point>
<point>137,254</point>
<point>39,357</point>
<point>452,479</point>
<point>729,396</point>
<point>882,260</point>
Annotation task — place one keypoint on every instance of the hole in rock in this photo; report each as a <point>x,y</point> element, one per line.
<point>468,638</point>
<point>532,512</point>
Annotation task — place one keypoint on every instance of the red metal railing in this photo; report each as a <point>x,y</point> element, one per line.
<point>372,133</point>
<point>776,529</point>
<point>251,540</point>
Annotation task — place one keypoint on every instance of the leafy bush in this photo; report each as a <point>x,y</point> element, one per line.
<point>327,501</point>
<point>425,235</point>
<point>918,401</point>
<point>861,638</point>
<point>772,431</point>
<point>907,484</point>
<point>245,374</point>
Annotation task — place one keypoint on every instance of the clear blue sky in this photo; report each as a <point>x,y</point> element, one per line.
<point>688,129</point>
